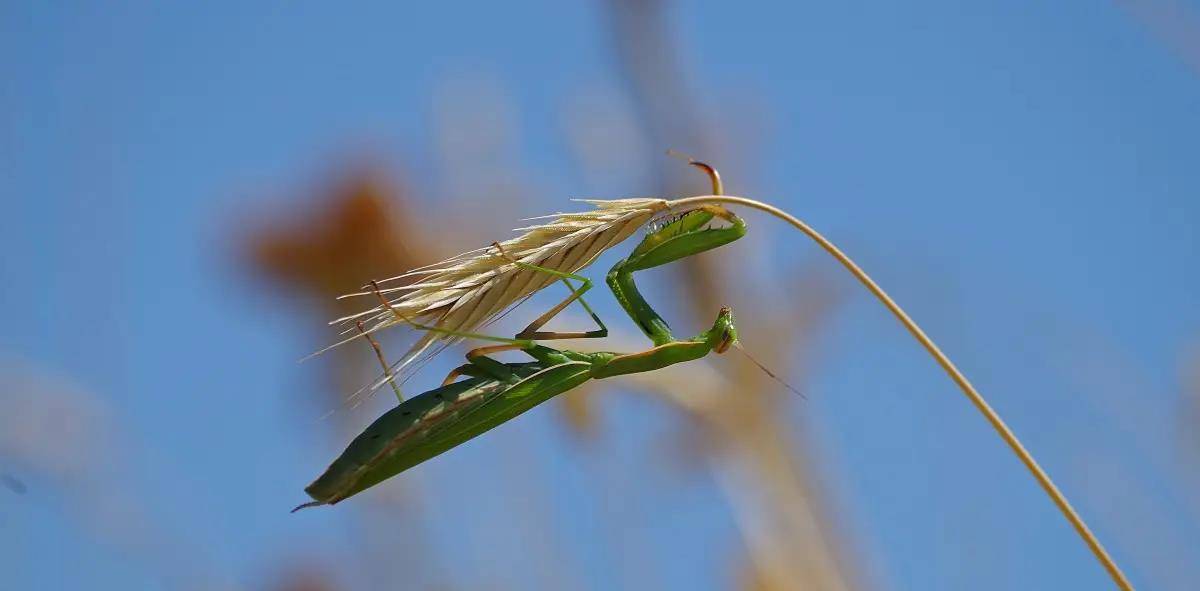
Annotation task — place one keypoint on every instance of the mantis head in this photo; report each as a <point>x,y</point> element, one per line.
<point>723,334</point>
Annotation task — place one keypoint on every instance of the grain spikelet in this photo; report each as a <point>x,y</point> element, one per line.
<point>466,292</point>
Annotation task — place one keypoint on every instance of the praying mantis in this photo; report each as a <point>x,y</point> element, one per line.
<point>494,392</point>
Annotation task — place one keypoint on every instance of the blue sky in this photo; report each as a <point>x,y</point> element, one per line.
<point>1020,175</point>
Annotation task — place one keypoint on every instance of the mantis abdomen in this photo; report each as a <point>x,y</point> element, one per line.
<point>435,421</point>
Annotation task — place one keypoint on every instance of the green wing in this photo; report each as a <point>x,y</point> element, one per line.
<point>435,421</point>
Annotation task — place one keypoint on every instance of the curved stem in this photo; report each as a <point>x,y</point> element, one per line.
<point>972,394</point>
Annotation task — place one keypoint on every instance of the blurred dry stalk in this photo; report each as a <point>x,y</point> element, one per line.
<point>739,426</point>
<point>751,447</point>
<point>1191,399</point>
<point>1141,476</point>
<point>1189,425</point>
<point>1173,23</point>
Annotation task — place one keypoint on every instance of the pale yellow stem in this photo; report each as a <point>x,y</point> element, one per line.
<point>975,397</point>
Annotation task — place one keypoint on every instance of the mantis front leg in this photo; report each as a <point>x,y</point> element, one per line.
<point>685,236</point>
<point>716,339</point>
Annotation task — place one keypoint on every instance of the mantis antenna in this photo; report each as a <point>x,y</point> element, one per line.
<point>739,346</point>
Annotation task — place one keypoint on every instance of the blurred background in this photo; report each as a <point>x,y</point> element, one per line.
<point>186,189</point>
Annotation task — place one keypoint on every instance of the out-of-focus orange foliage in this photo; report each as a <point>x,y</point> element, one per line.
<point>361,232</point>
<point>302,578</point>
<point>357,231</point>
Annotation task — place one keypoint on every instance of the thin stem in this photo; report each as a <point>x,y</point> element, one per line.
<point>972,394</point>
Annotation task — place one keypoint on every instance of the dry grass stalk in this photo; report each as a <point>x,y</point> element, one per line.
<point>466,292</point>
<point>977,399</point>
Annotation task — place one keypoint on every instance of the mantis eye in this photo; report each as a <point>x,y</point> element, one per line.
<point>728,334</point>
<point>727,339</point>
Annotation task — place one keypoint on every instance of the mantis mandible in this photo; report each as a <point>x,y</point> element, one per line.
<point>493,392</point>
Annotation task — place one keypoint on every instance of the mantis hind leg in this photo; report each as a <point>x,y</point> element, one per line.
<point>480,365</point>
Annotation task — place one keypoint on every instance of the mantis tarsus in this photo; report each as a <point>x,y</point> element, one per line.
<point>494,392</point>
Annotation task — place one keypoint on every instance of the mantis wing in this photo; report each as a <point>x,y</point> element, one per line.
<point>435,421</point>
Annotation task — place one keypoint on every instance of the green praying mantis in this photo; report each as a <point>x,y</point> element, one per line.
<point>494,392</point>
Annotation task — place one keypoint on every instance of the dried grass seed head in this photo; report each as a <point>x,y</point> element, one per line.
<point>466,292</point>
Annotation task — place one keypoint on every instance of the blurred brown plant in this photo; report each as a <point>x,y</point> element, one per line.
<point>303,578</point>
<point>360,231</point>
<point>357,230</point>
